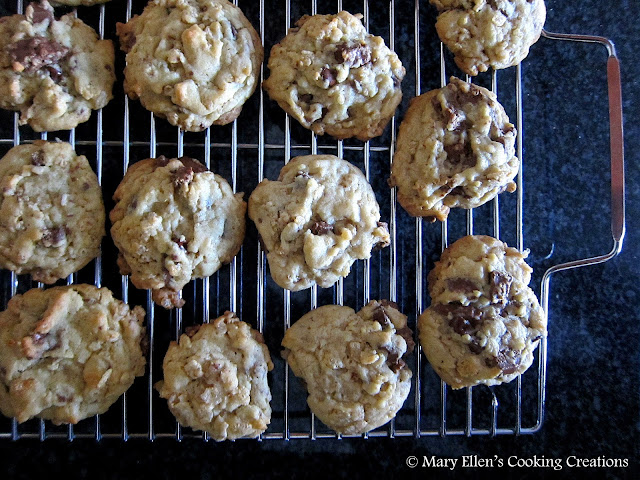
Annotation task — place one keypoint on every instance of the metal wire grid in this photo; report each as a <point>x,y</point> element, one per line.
<point>432,406</point>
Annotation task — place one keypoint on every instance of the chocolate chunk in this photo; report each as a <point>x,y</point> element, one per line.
<point>37,158</point>
<point>475,347</point>
<point>182,176</point>
<point>161,161</point>
<point>460,154</point>
<point>463,320</point>
<point>321,228</point>
<point>192,330</point>
<point>393,360</point>
<point>380,316</point>
<point>329,74</point>
<point>508,361</point>
<point>353,56</point>
<point>195,165</point>
<point>450,115</point>
<point>37,13</point>
<point>500,284</point>
<point>463,285</point>
<point>389,303</point>
<point>306,97</point>
<point>32,54</point>
<point>54,237</point>
<point>473,96</point>
<point>407,334</point>
<point>55,72</point>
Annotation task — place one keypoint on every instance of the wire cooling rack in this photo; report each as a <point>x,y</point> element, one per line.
<point>255,147</point>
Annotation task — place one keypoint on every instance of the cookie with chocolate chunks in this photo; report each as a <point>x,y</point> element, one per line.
<point>335,78</point>
<point>316,220</point>
<point>352,363</point>
<point>215,379</point>
<point>193,62</point>
<point>456,148</point>
<point>51,210</point>
<point>485,34</point>
<point>67,353</point>
<point>174,221</point>
<point>53,71</point>
<point>484,322</point>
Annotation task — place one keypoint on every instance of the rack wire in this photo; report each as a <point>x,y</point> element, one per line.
<point>245,153</point>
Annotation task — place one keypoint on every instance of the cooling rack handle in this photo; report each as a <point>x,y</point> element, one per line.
<point>617,147</point>
<point>615,130</point>
<point>617,158</point>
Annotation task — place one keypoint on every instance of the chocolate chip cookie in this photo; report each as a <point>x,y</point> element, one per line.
<point>215,379</point>
<point>484,322</point>
<point>456,148</point>
<point>193,62</point>
<point>316,220</point>
<point>485,34</point>
<point>352,363</point>
<point>335,78</point>
<point>55,72</point>
<point>174,221</point>
<point>67,353</point>
<point>51,211</point>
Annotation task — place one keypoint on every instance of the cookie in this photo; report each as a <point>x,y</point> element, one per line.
<point>174,221</point>
<point>51,211</point>
<point>193,62</point>
<point>54,72</point>
<point>351,364</point>
<point>455,148</point>
<point>316,220</point>
<point>485,34</point>
<point>67,353</point>
<point>484,322</point>
<point>215,379</point>
<point>335,78</point>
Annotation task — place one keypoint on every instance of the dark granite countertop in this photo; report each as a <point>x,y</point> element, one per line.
<point>593,369</point>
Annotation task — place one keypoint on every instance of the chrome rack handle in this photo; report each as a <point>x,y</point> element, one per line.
<point>617,159</point>
<point>617,188</point>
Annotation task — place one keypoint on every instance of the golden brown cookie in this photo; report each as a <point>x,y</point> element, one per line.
<point>484,322</point>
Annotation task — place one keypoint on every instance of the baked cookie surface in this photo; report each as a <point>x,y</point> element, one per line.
<point>485,34</point>
<point>484,322</point>
<point>215,379</point>
<point>335,78</point>
<point>174,221</point>
<point>193,62</point>
<point>54,72</point>
<point>316,220</point>
<point>456,148</point>
<point>67,353</point>
<point>51,211</point>
<point>352,364</point>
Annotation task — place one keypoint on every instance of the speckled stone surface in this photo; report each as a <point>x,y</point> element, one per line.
<point>593,369</point>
